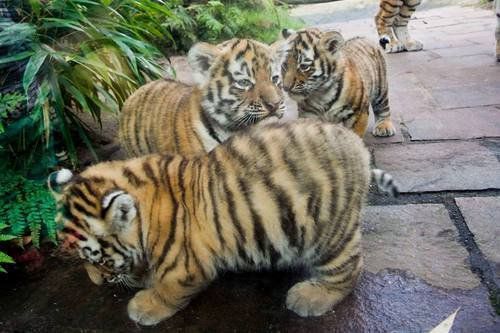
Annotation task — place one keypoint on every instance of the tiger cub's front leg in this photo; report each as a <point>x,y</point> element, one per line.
<point>329,284</point>
<point>497,30</point>
<point>384,21</point>
<point>401,26</point>
<point>169,294</point>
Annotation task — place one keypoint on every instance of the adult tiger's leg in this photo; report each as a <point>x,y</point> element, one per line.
<point>401,26</point>
<point>330,284</point>
<point>384,21</point>
<point>497,31</point>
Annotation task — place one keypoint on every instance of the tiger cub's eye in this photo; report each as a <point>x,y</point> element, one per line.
<point>244,83</point>
<point>276,79</point>
<point>304,67</point>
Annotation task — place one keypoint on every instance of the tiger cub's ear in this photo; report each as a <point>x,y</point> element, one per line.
<point>119,210</point>
<point>57,180</point>
<point>285,33</point>
<point>331,40</point>
<point>200,57</point>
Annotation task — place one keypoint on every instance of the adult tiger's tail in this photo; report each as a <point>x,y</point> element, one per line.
<point>385,182</point>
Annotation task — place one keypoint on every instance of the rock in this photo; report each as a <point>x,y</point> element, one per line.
<point>417,238</point>
<point>440,166</point>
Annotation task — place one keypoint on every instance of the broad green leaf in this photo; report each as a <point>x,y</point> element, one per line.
<point>130,56</point>
<point>52,22</point>
<point>15,34</point>
<point>35,6</point>
<point>32,68</point>
<point>16,57</point>
<point>76,94</point>
<point>60,113</point>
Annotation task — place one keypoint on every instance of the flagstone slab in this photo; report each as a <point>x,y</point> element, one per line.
<point>482,215</point>
<point>417,238</point>
<point>442,166</point>
<point>465,123</point>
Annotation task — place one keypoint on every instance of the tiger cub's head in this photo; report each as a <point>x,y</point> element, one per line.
<point>99,222</point>
<point>239,83</point>
<point>307,59</point>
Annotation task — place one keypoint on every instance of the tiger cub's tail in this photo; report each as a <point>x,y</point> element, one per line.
<point>385,182</point>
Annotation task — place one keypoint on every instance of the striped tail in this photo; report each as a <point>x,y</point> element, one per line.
<point>385,182</point>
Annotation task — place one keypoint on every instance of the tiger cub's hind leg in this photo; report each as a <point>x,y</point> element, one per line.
<point>328,286</point>
<point>401,26</point>
<point>384,21</point>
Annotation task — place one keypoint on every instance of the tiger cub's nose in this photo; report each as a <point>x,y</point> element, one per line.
<point>272,107</point>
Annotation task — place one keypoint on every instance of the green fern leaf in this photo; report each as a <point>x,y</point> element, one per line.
<point>5,258</point>
<point>4,238</point>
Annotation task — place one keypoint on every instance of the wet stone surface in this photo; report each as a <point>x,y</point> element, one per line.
<point>455,165</point>
<point>483,216</point>
<point>455,124</point>
<point>391,300</point>
<point>417,238</point>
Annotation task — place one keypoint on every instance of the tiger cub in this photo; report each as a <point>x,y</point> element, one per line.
<point>335,80</point>
<point>392,25</point>
<point>235,89</point>
<point>283,195</point>
<point>497,29</point>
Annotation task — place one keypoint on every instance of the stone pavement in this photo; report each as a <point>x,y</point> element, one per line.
<point>429,252</point>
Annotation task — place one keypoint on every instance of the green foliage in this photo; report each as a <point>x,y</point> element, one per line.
<point>88,56</point>
<point>26,207</point>
<point>5,258</point>
<point>8,103</point>
<point>176,27</point>
<point>220,20</point>
<point>79,56</point>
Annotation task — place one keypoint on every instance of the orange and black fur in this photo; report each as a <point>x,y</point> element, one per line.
<point>392,25</point>
<point>235,89</point>
<point>282,195</point>
<point>336,80</point>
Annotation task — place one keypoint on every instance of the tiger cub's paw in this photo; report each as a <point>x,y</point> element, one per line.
<point>394,46</point>
<point>384,128</point>
<point>146,308</point>
<point>310,298</point>
<point>413,45</point>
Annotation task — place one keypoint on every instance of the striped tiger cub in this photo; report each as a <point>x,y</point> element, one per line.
<point>336,80</point>
<point>497,29</point>
<point>392,25</point>
<point>235,89</point>
<point>282,195</point>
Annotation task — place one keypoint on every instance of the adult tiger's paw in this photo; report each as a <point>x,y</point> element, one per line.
<point>146,308</point>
